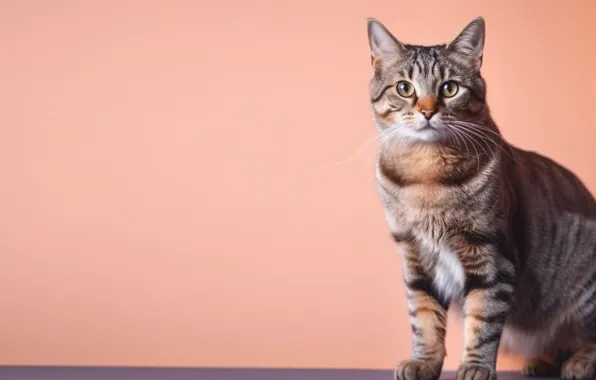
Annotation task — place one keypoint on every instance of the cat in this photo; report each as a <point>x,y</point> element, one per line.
<point>504,235</point>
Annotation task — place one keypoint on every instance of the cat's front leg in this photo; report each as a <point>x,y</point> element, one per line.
<point>490,283</point>
<point>428,319</point>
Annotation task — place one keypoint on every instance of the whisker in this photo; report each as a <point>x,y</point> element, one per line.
<point>452,137</point>
<point>458,135</point>
<point>377,136</point>
<point>487,129</point>
<point>353,158</point>
<point>459,132</point>
<point>484,138</point>
<point>465,135</point>
<point>482,128</point>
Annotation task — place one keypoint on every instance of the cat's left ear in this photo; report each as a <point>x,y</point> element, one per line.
<point>470,42</point>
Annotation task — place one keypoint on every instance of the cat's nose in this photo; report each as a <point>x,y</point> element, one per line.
<point>428,113</point>
<point>427,106</point>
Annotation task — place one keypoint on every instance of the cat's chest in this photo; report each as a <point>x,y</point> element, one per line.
<point>442,264</point>
<point>429,217</point>
<point>430,236</point>
<point>449,276</point>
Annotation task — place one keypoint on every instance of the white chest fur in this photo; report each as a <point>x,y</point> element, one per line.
<point>449,276</point>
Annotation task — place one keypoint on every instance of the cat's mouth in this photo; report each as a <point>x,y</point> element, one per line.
<point>426,127</point>
<point>427,131</point>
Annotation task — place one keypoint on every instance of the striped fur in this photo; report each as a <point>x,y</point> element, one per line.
<point>505,235</point>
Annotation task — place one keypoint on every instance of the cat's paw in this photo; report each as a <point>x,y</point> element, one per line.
<point>578,368</point>
<point>540,367</point>
<point>473,371</point>
<point>417,370</point>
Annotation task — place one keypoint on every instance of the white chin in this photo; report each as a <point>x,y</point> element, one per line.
<point>426,135</point>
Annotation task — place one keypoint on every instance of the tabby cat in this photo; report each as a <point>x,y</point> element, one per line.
<point>504,235</point>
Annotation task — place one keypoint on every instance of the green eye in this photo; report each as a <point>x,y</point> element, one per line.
<point>449,89</point>
<point>405,89</point>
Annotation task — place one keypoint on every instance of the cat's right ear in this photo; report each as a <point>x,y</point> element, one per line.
<point>470,42</point>
<point>383,45</point>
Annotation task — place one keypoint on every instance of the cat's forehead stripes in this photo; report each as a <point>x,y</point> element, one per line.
<point>426,66</point>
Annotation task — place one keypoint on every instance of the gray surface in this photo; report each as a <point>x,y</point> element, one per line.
<point>103,373</point>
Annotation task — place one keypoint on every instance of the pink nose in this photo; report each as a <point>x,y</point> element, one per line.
<point>427,105</point>
<point>427,113</point>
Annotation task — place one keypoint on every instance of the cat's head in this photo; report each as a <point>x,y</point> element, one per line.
<point>427,93</point>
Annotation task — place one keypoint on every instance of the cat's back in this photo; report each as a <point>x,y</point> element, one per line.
<point>555,232</point>
<point>543,183</point>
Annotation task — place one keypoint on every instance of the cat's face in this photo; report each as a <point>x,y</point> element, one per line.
<point>427,93</point>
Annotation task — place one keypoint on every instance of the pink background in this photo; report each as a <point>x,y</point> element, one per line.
<point>169,194</point>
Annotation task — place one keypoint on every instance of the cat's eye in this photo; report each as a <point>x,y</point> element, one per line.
<point>405,89</point>
<point>449,89</point>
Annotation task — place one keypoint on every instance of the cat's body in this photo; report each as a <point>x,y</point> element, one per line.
<point>504,234</point>
<point>555,240</point>
<point>542,242</point>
